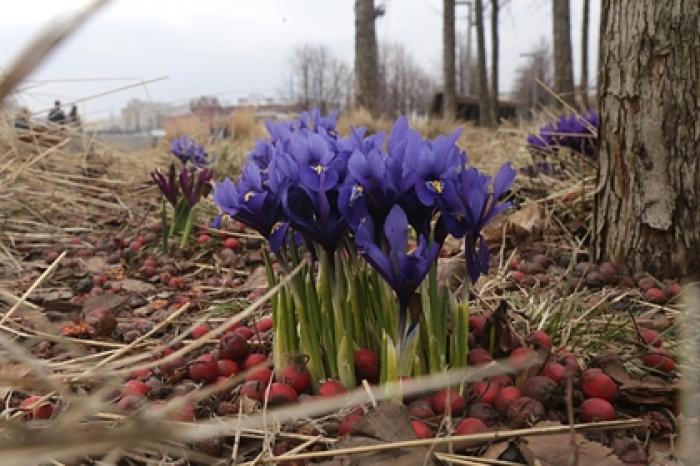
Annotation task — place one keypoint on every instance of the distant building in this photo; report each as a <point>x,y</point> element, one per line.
<point>139,115</point>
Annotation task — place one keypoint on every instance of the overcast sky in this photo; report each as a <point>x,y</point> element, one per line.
<point>232,48</point>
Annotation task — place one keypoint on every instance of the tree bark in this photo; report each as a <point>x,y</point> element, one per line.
<point>585,20</point>
<point>563,62</point>
<point>494,62</point>
<point>647,213</point>
<point>366,57</point>
<point>449,101</point>
<point>484,99</point>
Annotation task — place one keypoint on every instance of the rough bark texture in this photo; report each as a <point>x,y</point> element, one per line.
<point>647,213</point>
<point>484,99</point>
<point>494,62</point>
<point>366,57</point>
<point>585,20</point>
<point>563,62</point>
<point>448,59</point>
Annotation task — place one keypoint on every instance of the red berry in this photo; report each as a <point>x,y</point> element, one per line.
<point>421,429</point>
<point>297,376</point>
<point>479,356</point>
<point>477,324</point>
<point>660,359</point>
<point>136,245</point>
<point>520,357</point>
<point>245,332</point>
<point>597,409</point>
<point>253,389</point>
<point>254,359</point>
<point>203,238</point>
<point>597,384</point>
<point>231,243</point>
<point>347,424</point>
<point>421,409</point>
<point>134,387</point>
<point>470,425</point>
<point>176,282</point>
<point>517,276</point>
<point>655,295</point>
<point>554,371</point>
<point>331,387</point>
<point>367,365</point>
<point>505,397</point>
<point>43,411</point>
<point>263,375</point>
<point>227,367</point>
<point>540,388</point>
<point>514,264</point>
<point>672,289</point>
<point>199,331</point>
<point>502,380</point>
<point>203,369</point>
<point>184,413</point>
<point>233,345</point>
<point>448,398</point>
<point>141,374</point>
<point>524,411</point>
<point>570,363</point>
<point>646,283</point>
<point>650,337</point>
<point>264,324</point>
<point>539,338</point>
<point>484,392</point>
<point>281,393</point>
<point>129,402</point>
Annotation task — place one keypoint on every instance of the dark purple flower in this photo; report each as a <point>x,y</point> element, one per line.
<point>168,186</point>
<point>195,184</point>
<point>403,271</point>
<point>319,168</point>
<point>187,150</point>
<point>316,215</point>
<point>481,203</point>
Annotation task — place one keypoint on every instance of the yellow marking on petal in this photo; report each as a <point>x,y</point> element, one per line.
<point>318,169</point>
<point>248,196</point>
<point>437,186</point>
<point>276,227</point>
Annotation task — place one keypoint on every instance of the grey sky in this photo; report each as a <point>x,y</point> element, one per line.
<point>236,47</point>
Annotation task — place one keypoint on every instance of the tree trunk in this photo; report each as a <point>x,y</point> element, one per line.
<point>584,53</point>
<point>563,63</point>
<point>647,212</point>
<point>484,99</point>
<point>366,57</point>
<point>449,101</point>
<point>494,62</point>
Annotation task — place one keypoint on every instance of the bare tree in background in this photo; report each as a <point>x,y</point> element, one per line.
<point>494,62</point>
<point>320,79</point>
<point>449,102</point>
<point>538,67</point>
<point>484,99</point>
<point>585,19</point>
<point>563,61</point>
<point>366,56</point>
<point>405,87</point>
<point>646,211</point>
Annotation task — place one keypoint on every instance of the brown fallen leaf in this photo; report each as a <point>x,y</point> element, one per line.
<point>93,265</point>
<point>134,286</point>
<point>521,223</point>
<point>556,450</point>
<point>256,280</point>
<point>109,301</point>
<point>648,391</point>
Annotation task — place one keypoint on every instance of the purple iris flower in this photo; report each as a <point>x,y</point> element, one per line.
<point>575,132</point>
<point>437,168</point>
<point>481,203</point>
<point>316,215</point>
<point>403,271</point>
<point>252,204</point>
<point>195,184</point>
<point>319,168</point>
<point>187,150</point>
<point>168,186</point>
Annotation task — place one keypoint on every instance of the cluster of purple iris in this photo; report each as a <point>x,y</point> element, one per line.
<point>329,188</point>
<point>576,132</point>
<point>193,181</point>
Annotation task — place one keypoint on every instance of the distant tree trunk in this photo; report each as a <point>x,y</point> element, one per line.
<point>449,102</point>
<point>584,53</point>
<point>366,57</point>
<point>484,99</point>
<point>494,62</point>
<point>648,203</point>
<point>563,62</point>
